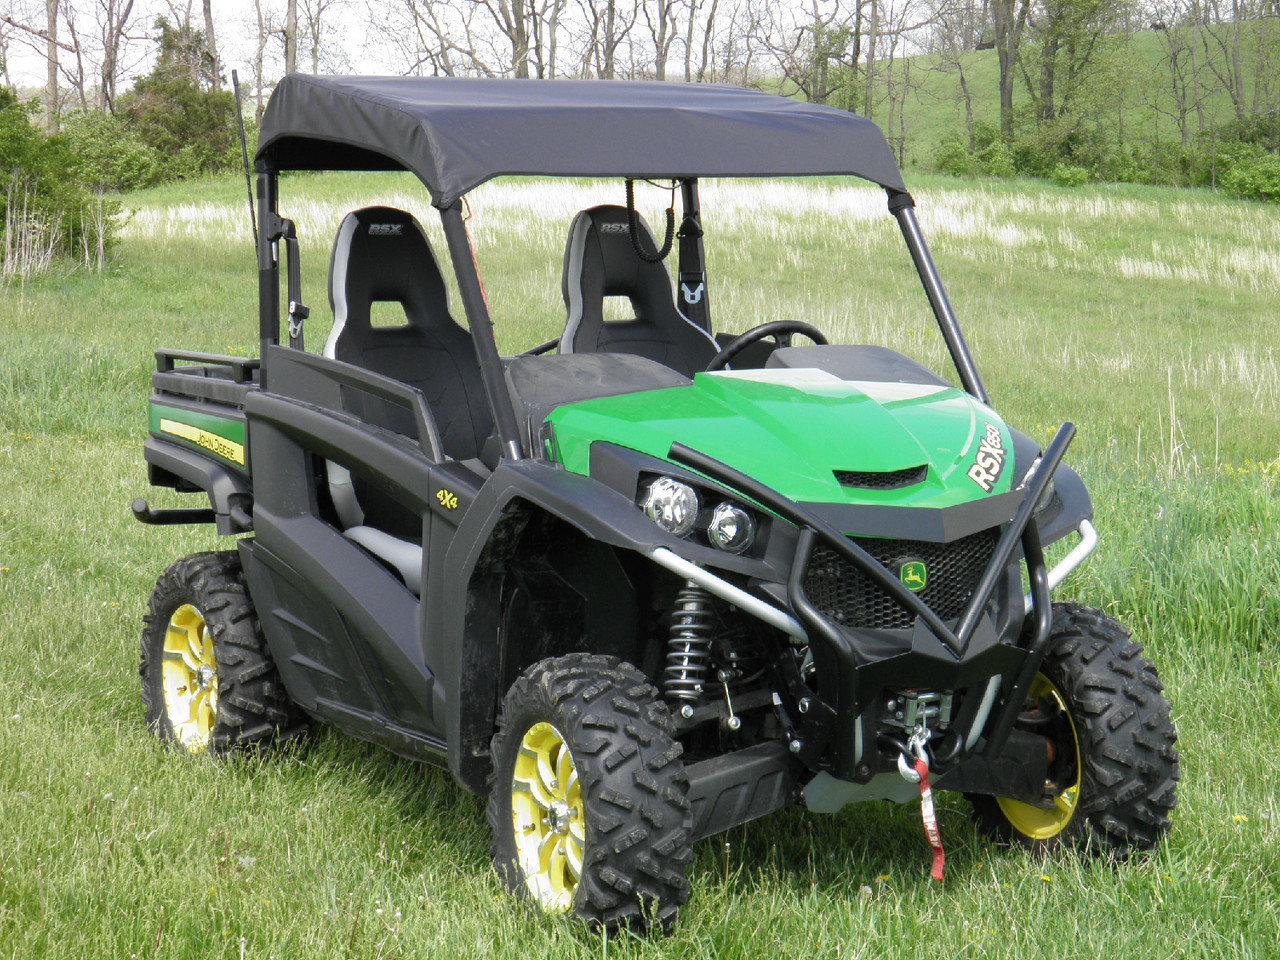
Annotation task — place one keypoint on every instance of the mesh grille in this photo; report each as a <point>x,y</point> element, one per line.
<point>847,596</point>
<point>892,480</point>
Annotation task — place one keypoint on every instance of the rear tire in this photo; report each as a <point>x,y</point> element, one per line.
<point>208,680</point>
<point>1115,769</point>
<point>588,799</point>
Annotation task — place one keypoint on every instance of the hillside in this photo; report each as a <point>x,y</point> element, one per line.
<point>1128,98</point>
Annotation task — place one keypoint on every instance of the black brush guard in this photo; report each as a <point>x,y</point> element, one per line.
<point>848,660</point>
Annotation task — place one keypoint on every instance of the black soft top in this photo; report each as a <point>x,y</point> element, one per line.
<point>455,134</point>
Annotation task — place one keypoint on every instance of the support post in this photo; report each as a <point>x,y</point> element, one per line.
<point>477,311</point>
<point>903,209</point>
<point>268,263</point>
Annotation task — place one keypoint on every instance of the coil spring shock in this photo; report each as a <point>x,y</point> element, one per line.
<point>689,648</point>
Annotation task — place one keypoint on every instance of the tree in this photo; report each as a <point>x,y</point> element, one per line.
<point>608,24</point>
<point>1008,20</point>
<point>813,50</point>
<point>189,123</point>
<point>1065,35</point>
<point>291,37</point>
<point>211,64</point>
<point>660,18</point>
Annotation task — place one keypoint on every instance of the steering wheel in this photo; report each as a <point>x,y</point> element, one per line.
<point>780,330</point>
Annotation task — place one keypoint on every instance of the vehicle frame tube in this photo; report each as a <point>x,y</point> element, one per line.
<point>903,209</point>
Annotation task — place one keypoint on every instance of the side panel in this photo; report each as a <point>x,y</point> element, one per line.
<point>348,628</point>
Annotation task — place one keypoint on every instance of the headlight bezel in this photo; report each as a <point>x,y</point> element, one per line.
<point>653,486</point>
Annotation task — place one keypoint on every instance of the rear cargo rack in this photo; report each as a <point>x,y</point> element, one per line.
<point>212,376</point>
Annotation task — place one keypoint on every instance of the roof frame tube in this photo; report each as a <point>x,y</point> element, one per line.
<point>903,209</point>
<point>476,307</point>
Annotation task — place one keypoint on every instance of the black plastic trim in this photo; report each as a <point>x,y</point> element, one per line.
<point>226,488</point>
<point>738,787</point>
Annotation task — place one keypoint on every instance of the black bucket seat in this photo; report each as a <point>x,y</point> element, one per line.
<point>382,254</point>
<point>600,261</point>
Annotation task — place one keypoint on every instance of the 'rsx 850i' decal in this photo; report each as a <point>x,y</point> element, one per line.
<point>989,461</point>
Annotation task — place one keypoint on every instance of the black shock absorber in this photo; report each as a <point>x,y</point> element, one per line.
<point>689,649</point>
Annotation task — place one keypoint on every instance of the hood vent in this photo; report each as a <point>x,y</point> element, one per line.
<point>893,480</point>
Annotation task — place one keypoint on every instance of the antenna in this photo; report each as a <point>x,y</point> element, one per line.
<point>244,153</point>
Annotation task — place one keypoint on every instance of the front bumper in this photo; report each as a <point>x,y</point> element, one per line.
<point>853,669</point>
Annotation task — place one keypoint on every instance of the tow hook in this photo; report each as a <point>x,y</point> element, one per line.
<point>915,748</point>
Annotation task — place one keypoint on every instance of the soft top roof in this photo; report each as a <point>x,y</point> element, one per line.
<point>455,134</point>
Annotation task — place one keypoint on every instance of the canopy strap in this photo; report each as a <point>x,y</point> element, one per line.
<point>633,225</point>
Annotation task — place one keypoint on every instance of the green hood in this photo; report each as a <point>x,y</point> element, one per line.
<point>792,429</point>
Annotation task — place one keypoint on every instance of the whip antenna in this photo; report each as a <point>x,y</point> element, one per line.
<point>244,153</point>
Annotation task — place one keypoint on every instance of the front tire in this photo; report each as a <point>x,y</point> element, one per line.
<point>1114,772</point>
<point>588,799</point>
<point>208,680</point>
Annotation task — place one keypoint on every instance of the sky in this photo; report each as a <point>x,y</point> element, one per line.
<point>235,24</point>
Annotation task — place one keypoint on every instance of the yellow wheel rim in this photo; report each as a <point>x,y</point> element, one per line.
<point>1045,823</point>
<point>190,678</point>
<point>546,817</point>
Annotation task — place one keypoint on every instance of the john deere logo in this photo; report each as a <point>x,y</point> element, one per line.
<point>913,575</point>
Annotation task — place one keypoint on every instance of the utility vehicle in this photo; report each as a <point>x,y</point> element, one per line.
<point>639,584</point>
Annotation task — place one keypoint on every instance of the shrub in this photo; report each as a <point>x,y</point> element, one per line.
<point>44,212</point>
<point>107,155</point>
<point>1065,175</point>
<point>1255,177</point>
<point>953,157</point>
<point>192,130</point>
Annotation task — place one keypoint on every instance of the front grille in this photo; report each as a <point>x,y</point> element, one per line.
<point>890,480</point>
<point>846,595</point>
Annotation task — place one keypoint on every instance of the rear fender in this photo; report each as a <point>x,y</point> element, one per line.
<point>171,465</point>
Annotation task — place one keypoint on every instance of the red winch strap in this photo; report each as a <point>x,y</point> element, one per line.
<point>930,818</point>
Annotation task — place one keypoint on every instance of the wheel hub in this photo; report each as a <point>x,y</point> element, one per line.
<point>558,817</point>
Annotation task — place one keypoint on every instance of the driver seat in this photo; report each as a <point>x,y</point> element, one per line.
<point>600,262</point>
<point>382,255</point>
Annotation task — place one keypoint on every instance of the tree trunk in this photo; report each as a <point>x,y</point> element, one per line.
<point>258,79</point>
<point>610,41</point>
<point>872,28</point>
<point>706,42</point>
<point>211,48</point>
<point>519,39</point>
<point>51,55</point>
<point>1008,17</point>
<point>968,106</point>
<point>1048,67</point>
<point>1237,77</point>
<point>291,37</point>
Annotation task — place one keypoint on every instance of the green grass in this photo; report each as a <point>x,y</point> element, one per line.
<point>1145,316</point>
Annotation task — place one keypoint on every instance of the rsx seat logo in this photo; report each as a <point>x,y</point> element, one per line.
<point>989,461</point>
<point>386,229</point>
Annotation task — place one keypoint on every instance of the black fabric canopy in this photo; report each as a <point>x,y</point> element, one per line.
<point>455,134</point>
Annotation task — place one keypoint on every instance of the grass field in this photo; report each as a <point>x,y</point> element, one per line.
<point>1147,317</point>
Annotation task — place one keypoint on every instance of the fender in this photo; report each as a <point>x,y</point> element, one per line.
<point>171,465</point>
<point>467,669</point>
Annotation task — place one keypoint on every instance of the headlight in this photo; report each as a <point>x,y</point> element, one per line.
<point>731,528</point>
<point>1049,491</point>
<point>672,505</point>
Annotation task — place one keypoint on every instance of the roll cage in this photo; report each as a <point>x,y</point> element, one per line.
<point>457,134</point>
